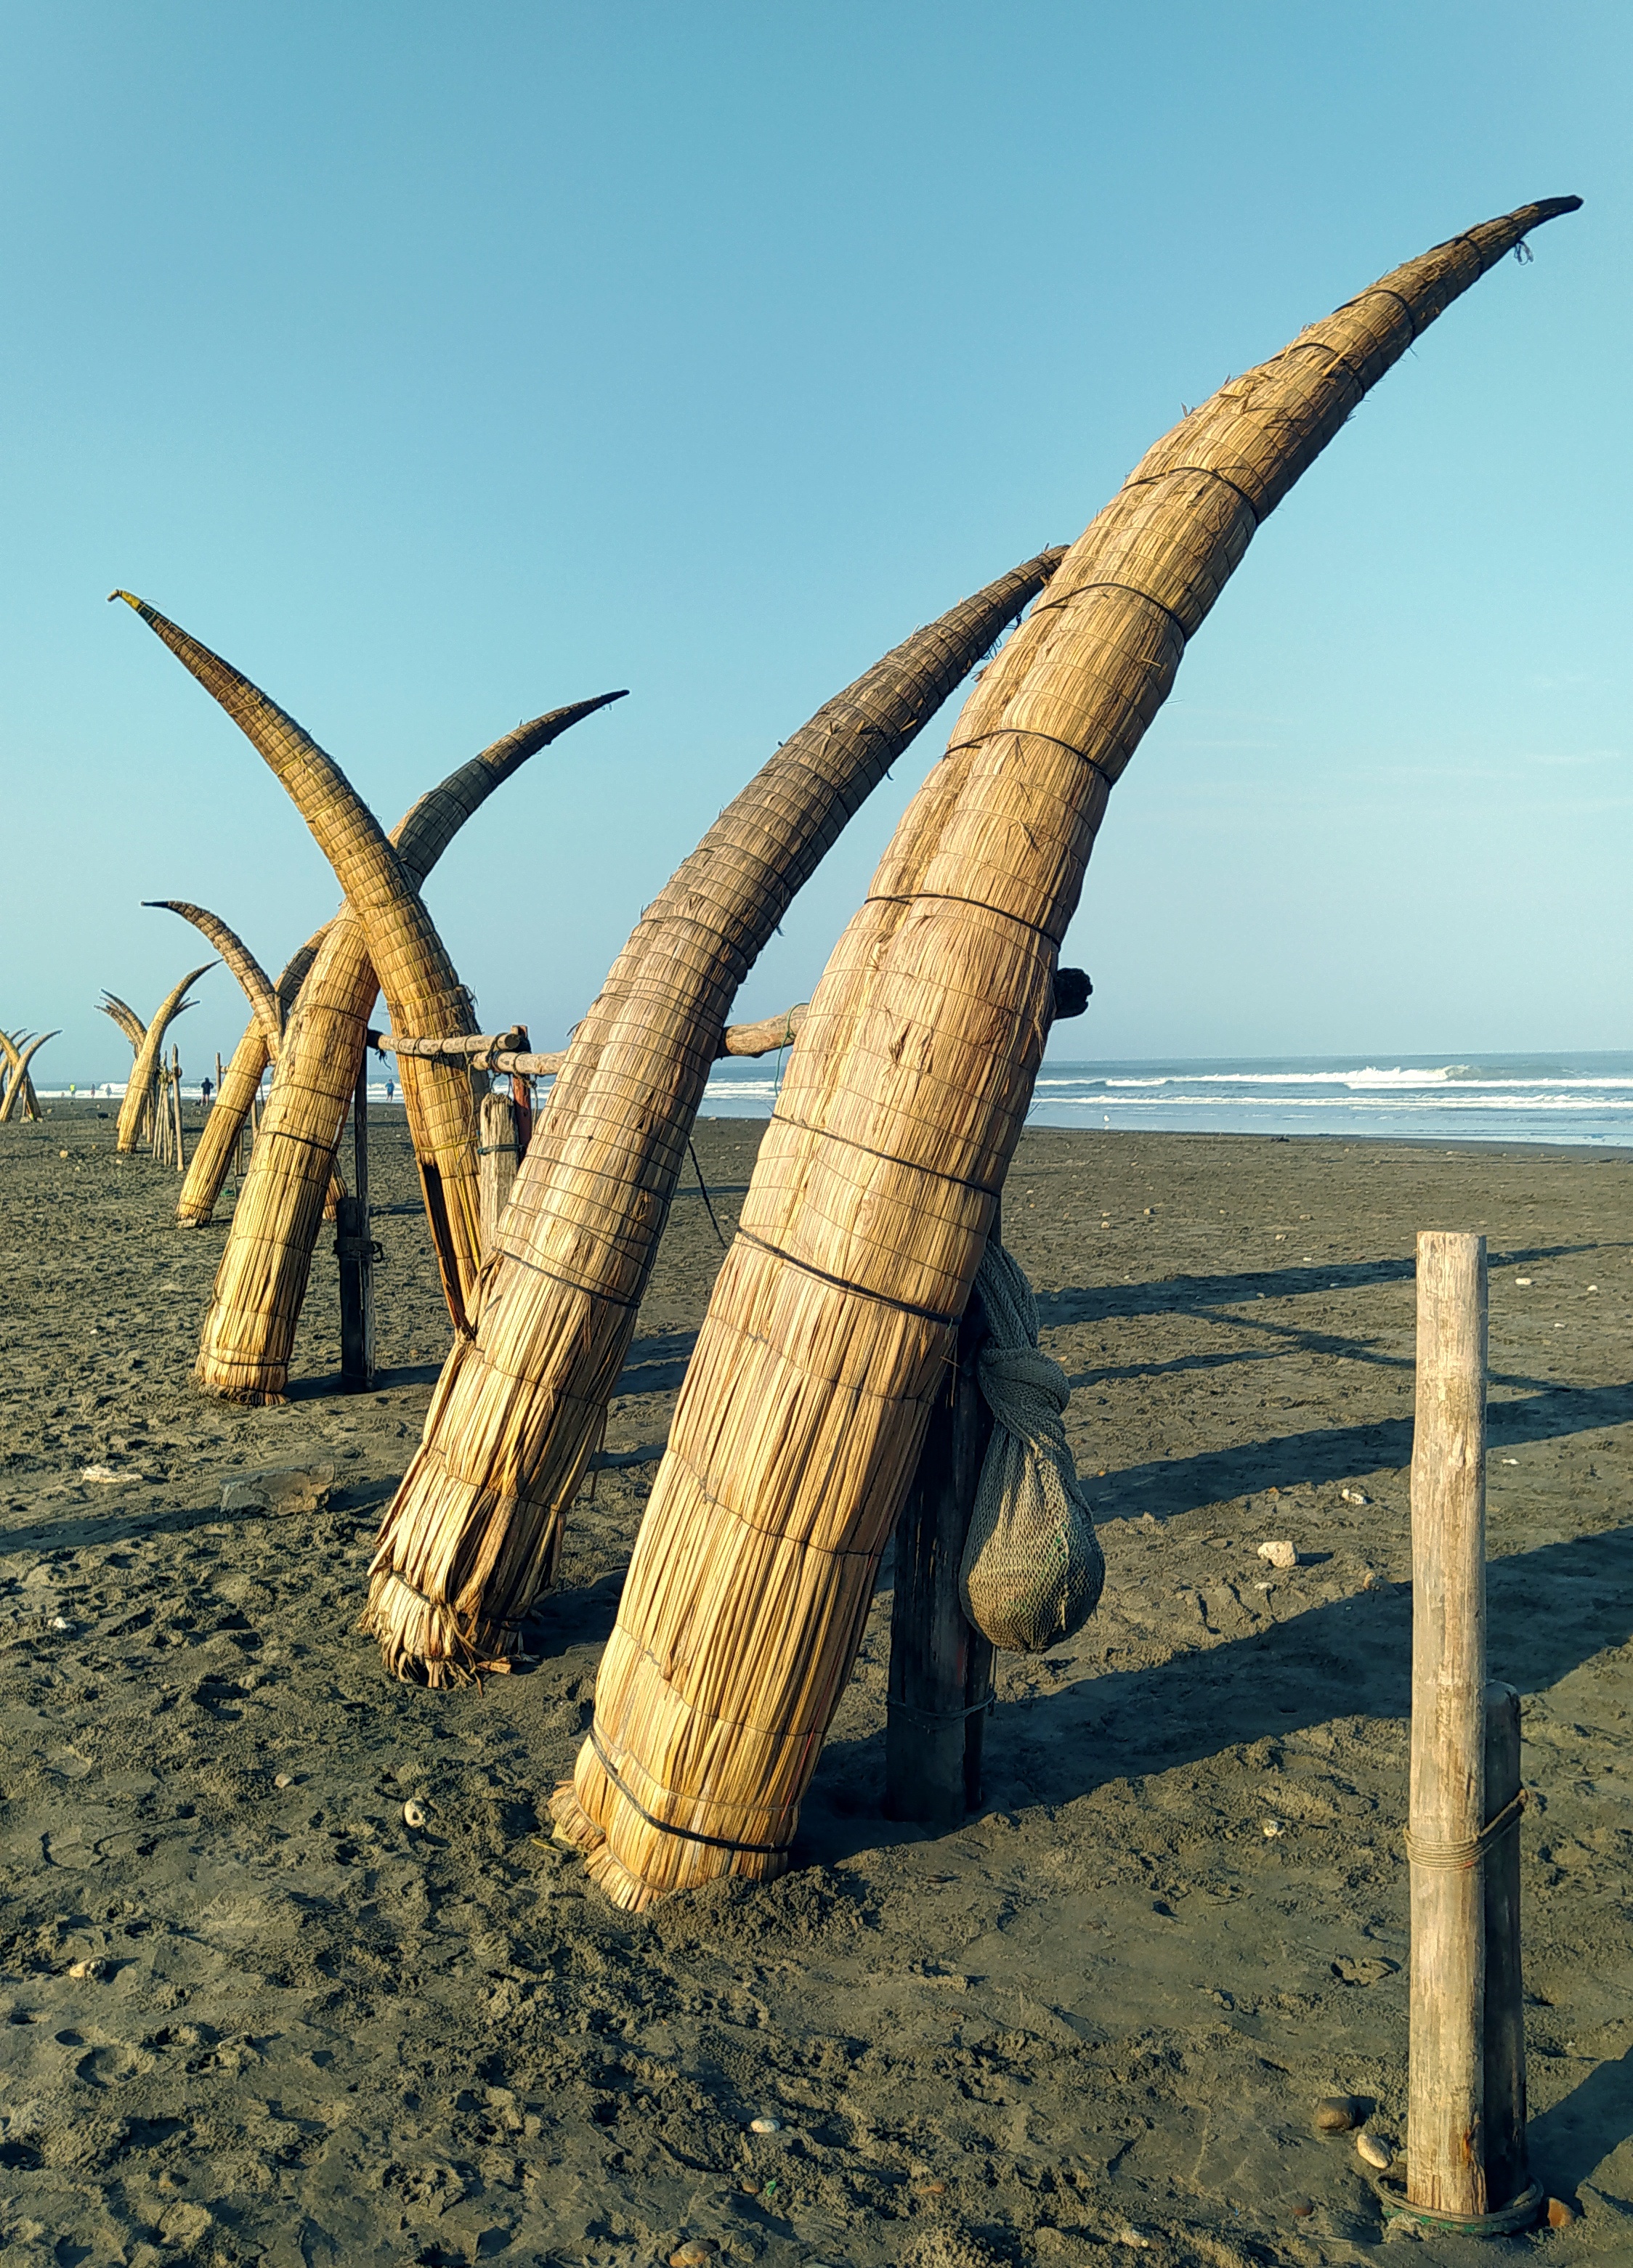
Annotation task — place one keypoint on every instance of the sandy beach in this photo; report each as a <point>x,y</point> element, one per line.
<point>255,2016</point>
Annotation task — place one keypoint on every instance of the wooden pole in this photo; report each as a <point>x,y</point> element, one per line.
<point>1445,2124</point>
<point>216,1097</point>
<point>521,1095</point>
<point>354,1246</point>
<point>1508,2171</point>
<point>175,1072</point>
<point>941,1676</point>
<point>498,1149</point>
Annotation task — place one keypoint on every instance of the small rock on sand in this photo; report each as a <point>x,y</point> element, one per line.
<point>1280,1553</point>
<point>1337,2114</point>
<point>280,1489</point>
<point>1559,2213</point>
<point>414,1815</point>
<point>694,2253</point>
<point>1371,2151</point>
<point>765,2125</point>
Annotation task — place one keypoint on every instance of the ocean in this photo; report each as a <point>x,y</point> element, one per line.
<point>1566,1098</point>
<point>1576,1098</point>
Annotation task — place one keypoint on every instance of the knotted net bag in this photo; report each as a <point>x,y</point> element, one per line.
<point>1032,1568</point>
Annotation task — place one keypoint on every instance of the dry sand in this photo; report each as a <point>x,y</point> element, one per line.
<point>259,2022</point>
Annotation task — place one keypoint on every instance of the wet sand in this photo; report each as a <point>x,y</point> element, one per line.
<point>253,2023</point>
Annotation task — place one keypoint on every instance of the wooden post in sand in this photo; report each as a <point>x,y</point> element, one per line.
<point>175,1089</point>
<point>498,1149</point>
<point>941,1675</point>
<point>354,1244</point>
<point>1466,2091</point>
<point>521,1095</point>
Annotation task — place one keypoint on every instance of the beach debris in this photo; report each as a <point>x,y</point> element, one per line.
<point>92,1967</point>
<point>61,1623</point>
<point>414,1813</point>
<point>1591,1287</point>
<point>766,2125</point>
<point>1523,1282</point>
<point>102,1475</point>
<point>1352,1496</point>
<point>281,1489</point>
<point>283,1780</point>
<point>1279,1552</point>
<point>1134,2236</point>
<point>696,2251</point>
<point>1303,2209</point>
<point>1271,1828</point>
<point>1559,2215</point>
<point>1337,2114</point>
<point>1509,1460</point>
<point>1373,2153</point>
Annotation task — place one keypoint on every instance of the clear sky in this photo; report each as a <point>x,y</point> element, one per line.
<point>440,366</point>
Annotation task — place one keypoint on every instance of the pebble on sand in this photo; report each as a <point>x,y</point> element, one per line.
<point>61,1623</point>
<point>283,1780</point>
<point>1352,1496</point>
<point>1371,2151</point>
<point>1337,2114</point>
<point>1135,2236</point>
<point>92,1967</point>
<point>1280,1552</point>
<point>1271,1828</point>
<point>414,1815</point>
<point>694,2252</point>
<point>765,2125</point>
<point>102,1473</point>
<point>1559,2213</point>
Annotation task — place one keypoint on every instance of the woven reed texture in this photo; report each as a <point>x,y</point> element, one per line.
<point>240,1082</point>
<point>471,1536</point>
<point>261,1279</point>
<point>26,1101</point>
<point>19,1089</point>
<point>416,975</point>
<point>499,1153</point>
<point>803,1408</point>
<point>257,986</point>
<point>126,1016</point>
<point>144,1084</point>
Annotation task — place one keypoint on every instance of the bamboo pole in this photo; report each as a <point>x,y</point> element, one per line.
<point>941,1680</point>
<point>1446,2144</point>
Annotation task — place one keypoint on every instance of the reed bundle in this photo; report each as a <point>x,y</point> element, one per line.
<point>500,1154</point>
<point>19,1088</point>
<point>836,1312</point>
<point>415,972</point>
<point>471,1536</point>
<point>137,1111</point>
<point>237,1087</point>
<point>261,1279</point>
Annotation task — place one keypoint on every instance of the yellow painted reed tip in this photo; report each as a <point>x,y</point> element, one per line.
<point>129,597</point>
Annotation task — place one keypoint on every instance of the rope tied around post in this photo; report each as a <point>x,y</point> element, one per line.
<point>1032,1569</point>
<point>1458,1857</point>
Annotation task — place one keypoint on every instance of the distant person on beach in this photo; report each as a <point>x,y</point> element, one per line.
<point>391,1089</point>
<point>206,1088</point>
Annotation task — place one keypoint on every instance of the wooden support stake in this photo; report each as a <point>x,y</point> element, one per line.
<point>941,1668</point>
<point>176,1071</point>
<point>521,1095</point>
<point>498,1148</point>
<point>1508,2171</point>
<point>1445,2123</point>
<point>354,1245</point>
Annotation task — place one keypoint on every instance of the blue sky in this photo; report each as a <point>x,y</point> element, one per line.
<point>439,366</point>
